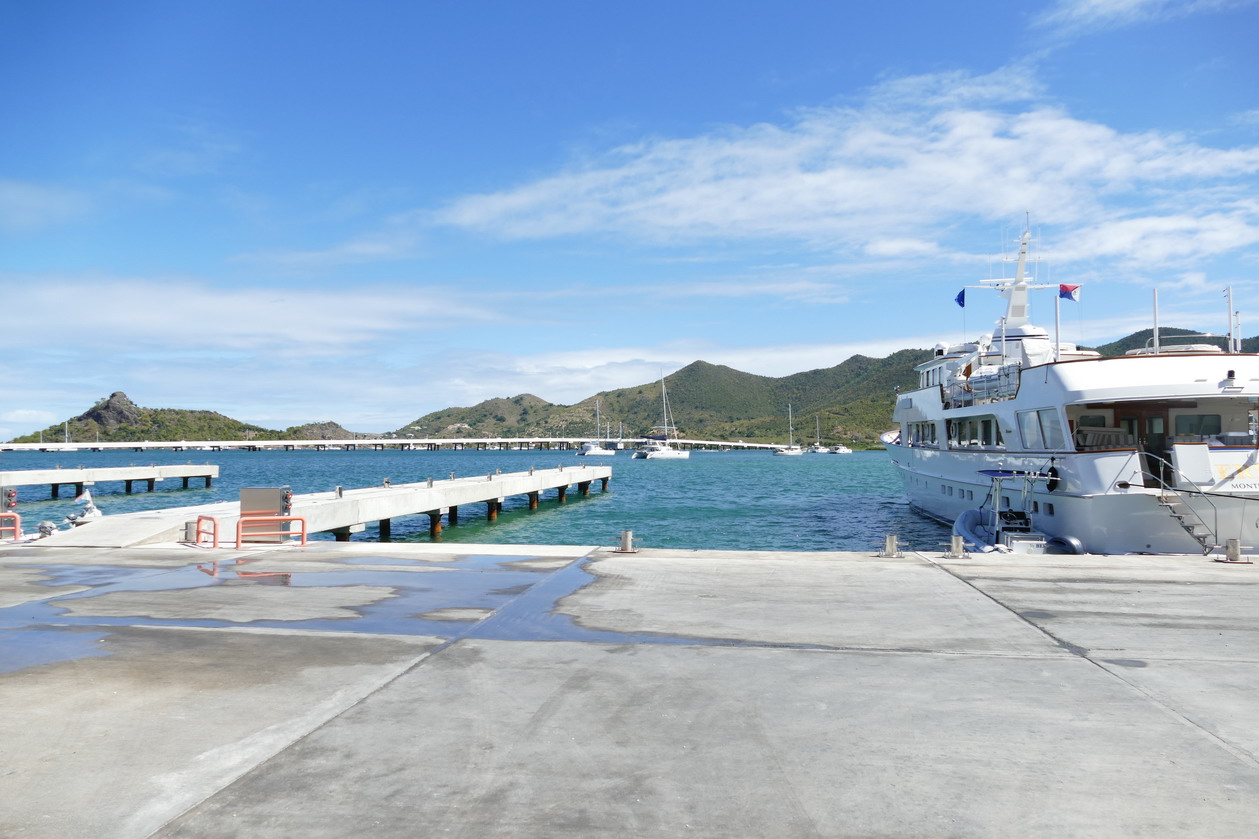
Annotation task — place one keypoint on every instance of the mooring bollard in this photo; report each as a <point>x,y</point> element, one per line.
<point>340,492</point>
<point>891,547</point>
<point>626,545</point>
<point>1233,550</point>
<point>385,482</point>
<point>957,547</point>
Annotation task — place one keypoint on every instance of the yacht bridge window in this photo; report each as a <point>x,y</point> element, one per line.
<point>1041,429</point>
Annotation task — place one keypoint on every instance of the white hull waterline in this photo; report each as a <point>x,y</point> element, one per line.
<point>1154,451</point>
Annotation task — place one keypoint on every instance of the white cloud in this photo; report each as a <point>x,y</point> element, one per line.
<point>26,207</point>
<point>1159,240</point>
<point>400,238</point>
<point>894,174</point>
<point>180,313</point>
<point>1076,16</point>
<point>195,148</point>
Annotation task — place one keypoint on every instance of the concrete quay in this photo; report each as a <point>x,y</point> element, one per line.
<point>403,690</point>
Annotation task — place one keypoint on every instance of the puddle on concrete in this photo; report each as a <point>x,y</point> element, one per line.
<point>92,575</point>
<point>31,647</point>
<point>484,597</point>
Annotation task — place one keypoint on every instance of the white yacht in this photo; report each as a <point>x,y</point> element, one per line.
<point>840,449</point>
<point>1019,440</point>
<point>791,449</point>
<point>657,447</point>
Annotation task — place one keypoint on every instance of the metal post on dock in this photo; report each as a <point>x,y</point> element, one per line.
<point>891,547</point>
<point>626,545</point>
<point>1233,552</point>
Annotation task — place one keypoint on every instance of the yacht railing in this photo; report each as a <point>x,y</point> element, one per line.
<point>999,386</point>
<point>1179,490</point>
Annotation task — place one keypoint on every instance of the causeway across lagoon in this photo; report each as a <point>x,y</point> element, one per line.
<point>403,690</point>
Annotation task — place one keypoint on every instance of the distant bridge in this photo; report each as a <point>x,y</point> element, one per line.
<point>405,443</point>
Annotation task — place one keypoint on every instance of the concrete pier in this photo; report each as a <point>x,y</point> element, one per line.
<point>523,691</point>
<point>340,512</point>
<point>128,475</point>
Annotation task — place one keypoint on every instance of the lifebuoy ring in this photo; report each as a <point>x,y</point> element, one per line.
<point>1054,480</point>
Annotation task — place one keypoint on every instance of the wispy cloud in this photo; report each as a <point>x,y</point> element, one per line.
<point>859,179</point>
<point>194,148</point>
<point>139,313</point>
<point>27,207</point>
<point>401,237</point>
<point>1079,16</point>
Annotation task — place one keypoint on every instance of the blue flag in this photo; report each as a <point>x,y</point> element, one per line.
<point>961,298</point>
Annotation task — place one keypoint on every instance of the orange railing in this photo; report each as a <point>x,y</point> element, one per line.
<point>213,532</point>
<point>252,521</point>
<point>16,527</point>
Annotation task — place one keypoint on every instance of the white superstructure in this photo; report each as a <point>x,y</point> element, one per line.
<point>1154,451</point>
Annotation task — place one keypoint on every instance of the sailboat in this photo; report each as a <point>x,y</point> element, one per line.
<point>657,447</point>
<point>595,446</point>
<point>817,447</point>
<point>791,448</point>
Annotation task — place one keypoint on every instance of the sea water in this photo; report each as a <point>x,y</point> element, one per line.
<point>736,500</point>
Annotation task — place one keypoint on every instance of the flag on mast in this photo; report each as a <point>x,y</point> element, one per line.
<point>1069,292</point>
<point>961,298</point>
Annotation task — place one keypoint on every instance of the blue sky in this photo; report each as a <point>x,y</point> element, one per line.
<point>304,211</point>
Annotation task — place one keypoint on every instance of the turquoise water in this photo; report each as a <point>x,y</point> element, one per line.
<point>714,500</point>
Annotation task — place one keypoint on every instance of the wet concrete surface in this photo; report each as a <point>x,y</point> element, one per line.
<point>354,689</point>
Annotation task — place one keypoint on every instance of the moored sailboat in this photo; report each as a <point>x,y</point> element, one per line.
<point>657,447</point>
<point>791,449</point>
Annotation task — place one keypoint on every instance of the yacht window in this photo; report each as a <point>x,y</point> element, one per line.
<point>1051,428</point>
<point>1049,509</point>
<point>1091,421</point>
<point>1029,428</point>
<point>1198,425</point>
<point>1041,429</point>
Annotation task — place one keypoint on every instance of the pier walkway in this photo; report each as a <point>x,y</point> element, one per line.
<point>344,512</point>
<point>521,691</point>
<point>79,478</point>
<point>405,443</point>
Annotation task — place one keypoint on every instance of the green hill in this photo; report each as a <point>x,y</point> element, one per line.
<point>119,420</point>
<point>850,403</point>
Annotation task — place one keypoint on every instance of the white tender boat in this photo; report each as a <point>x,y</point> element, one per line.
<point>1014,438</point>
<point>840,449</point>
<point>658,448</point>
